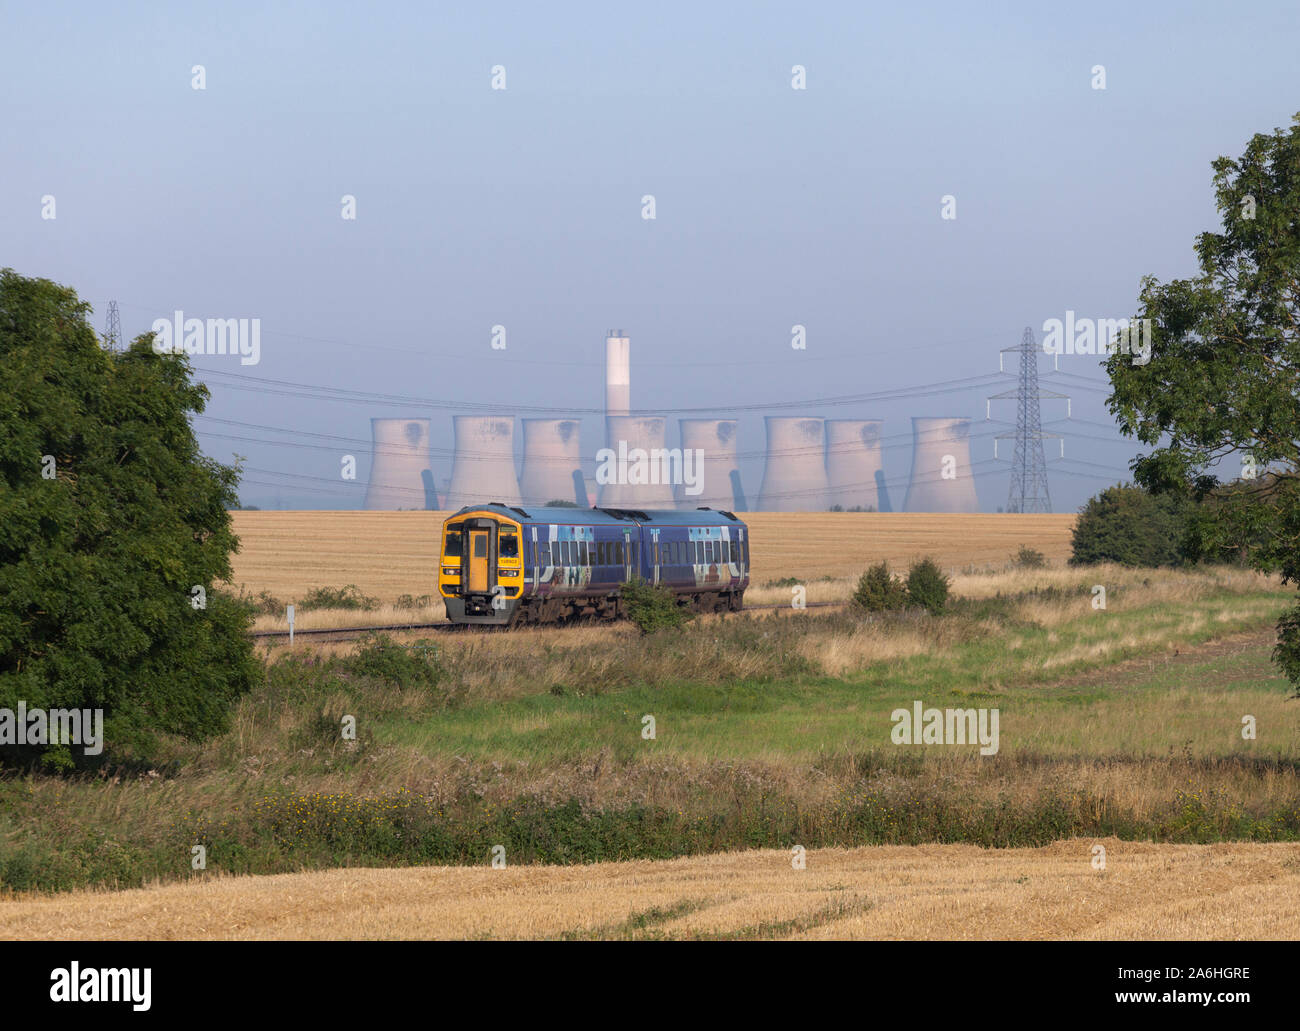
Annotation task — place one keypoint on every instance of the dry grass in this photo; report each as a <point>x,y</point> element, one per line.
<point>387,554</point>
<point>380,615</point>
<point>934,891</point>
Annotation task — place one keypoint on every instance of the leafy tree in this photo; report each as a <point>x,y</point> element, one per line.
<point>1223,380</point>
<point>110,518</point>
<point>1128,525</point>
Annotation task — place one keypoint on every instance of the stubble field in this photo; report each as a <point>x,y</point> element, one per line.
<point>1229,891</point>
<point>387,554</point>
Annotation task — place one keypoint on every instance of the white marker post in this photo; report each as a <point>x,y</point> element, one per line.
<point>289,613</point>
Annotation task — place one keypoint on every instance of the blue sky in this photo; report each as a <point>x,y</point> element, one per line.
<point>522,207</point>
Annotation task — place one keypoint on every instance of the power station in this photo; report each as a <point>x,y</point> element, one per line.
<point>941,478</point>
<point>483,467</point>
<point>794,475</point>
<point>853,458</point>
<point>809,463</point>
<point>715,440</point>
<point>399,467</point>
<point>552,454</point>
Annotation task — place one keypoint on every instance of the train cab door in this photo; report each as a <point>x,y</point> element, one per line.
<point>627,555</point>
<point>654,553</point>
<point>479,541</point>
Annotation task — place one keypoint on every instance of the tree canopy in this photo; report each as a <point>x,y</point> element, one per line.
<point>1219,400</point>
<point>110,518</point>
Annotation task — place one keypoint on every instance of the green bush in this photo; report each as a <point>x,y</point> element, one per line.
<point>652,607</point>
<point>1029,558</point>
<point>1127,525</point>
<point>379,657</point>
<point>349,597</point>
<point>879,591</point>
<point>263,603</point>
<point>407,601</point>
<point>927,587</point>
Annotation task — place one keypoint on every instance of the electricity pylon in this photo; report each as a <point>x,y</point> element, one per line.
<point>112,328</point>
<point>1029,491</point>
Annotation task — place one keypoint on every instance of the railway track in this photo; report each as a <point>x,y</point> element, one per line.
<point>347,633</point>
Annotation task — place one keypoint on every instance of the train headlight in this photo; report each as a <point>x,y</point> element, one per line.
<point>450,571</point>
<point>508,572</point>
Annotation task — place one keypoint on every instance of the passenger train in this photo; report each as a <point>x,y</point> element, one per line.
<point>502,565</point>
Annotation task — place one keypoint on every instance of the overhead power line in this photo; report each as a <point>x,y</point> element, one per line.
<point>317,392</point>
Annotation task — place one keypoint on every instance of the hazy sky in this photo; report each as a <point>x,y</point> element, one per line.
<point>522,207</point>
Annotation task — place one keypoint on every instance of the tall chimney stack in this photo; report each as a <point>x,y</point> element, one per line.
<point>618,373</point>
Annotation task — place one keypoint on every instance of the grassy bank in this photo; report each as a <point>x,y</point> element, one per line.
<point>769,731</point>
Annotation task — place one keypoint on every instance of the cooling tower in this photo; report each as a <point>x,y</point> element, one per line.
<point>483,469</point>
<point>941,477</point>
<point>794,476</point>
<point>631,472</point>
<point>399,463</point>
<point>618,373</point>
<point>852,461</point>
<point>551,456</point>
<point>715,440</point>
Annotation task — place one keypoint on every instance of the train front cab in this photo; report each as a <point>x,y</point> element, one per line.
<point>481,573</point>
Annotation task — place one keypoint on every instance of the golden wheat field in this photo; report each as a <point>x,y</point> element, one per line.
<point>387,554</point>
<point>1228,891</point>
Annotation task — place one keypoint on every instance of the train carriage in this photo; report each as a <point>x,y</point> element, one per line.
<point>503,564</point>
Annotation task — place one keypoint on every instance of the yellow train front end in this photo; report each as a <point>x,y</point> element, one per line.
<point>481,572</point>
